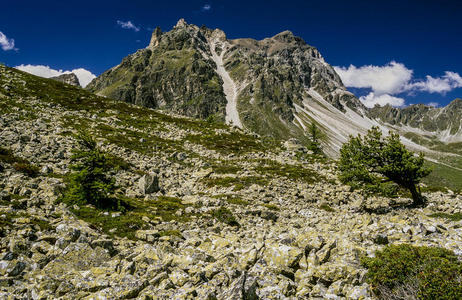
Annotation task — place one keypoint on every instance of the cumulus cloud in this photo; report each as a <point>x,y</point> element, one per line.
<point>128,25</point>
<point>206,7</point>
<point>388,79</point>
<point>441,85</point>
<point>392,79</point>
<point>6,43</point>
<point>372,99</point>
<point>84,76</point>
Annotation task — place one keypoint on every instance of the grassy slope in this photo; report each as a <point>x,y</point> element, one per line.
<point>142,120</point>
<point>447,173</point>
<point>118,123</point>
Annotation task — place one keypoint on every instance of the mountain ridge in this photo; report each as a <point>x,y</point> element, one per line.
<point>274,87</point>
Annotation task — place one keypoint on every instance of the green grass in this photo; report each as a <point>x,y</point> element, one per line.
<point>227,143</point>
<point>223,168</point>
<point>326,207</point>
<point>450,217</point>
<point>443,177</point>
<point>238,183</point>
<point>131,220</point>
<point>271,206</point>
<point>232,199</point>
<point>273,168</point>
<point>8,221</point>
<point>19,164</point>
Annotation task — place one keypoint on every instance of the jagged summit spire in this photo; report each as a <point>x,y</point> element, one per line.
<point>181,23</point>
<point>155,38</point>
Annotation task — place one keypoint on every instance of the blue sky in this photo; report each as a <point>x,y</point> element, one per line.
<point>384,50</point>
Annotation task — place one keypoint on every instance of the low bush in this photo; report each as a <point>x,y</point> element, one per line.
<point>19,164</point>
<point>26,168</point>
<point>224,215</point>
<point>409,272</point>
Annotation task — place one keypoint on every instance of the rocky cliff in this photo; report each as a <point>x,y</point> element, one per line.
<point>172,73</point>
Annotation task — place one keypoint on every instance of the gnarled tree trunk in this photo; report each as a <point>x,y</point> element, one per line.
<point>417,198</point>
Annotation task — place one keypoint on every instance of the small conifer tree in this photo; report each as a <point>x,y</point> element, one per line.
<point>372,160</point>
<point>89,181</point>
<point>314,135</point>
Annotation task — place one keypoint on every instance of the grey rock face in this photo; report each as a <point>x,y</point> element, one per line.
<point>178,72</point>
<point>70,78</point>
<point>149,184</point>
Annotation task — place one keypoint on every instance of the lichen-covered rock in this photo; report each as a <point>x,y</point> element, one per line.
<point>149,184</point>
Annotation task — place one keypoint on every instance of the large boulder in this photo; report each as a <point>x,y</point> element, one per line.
<point>149,184</point>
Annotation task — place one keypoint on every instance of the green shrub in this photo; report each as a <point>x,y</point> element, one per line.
<point>409,272</point>
<point>89,182</point>
<point>315,135</point>
<point>224,215</point>
<point>26,168</point>
<point>271,206</point>
<point>19,164</point>
<point>326,207</point>
<point>6,155</point>
<point>452,217</point>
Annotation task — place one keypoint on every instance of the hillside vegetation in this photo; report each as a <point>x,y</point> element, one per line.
<point>208,211</point>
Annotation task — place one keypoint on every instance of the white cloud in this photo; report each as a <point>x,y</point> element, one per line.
<point>128,25</point>
<point>388,79</point>
<point>372,99</point>
<point>84,76</point>
<point>394,78</point>
<point>6,43</point>
<point>206,7</point>
<point>434,104</point>
<point>441,85</point>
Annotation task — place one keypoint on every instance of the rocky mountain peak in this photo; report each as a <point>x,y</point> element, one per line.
<point>68,78</point>
<point>285,36</point>
<point>155,38</point>
<point>181,23</point>
<point>198,72</point>
<point>456,103</point>
<point>218,34</point>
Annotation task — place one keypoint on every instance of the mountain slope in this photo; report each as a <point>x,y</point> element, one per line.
<point>274,87</point>
<point>235,216</point>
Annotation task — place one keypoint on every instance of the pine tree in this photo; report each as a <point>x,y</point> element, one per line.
<point>372,160</point>
<point>314,135</point>
<point>89,181</point>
